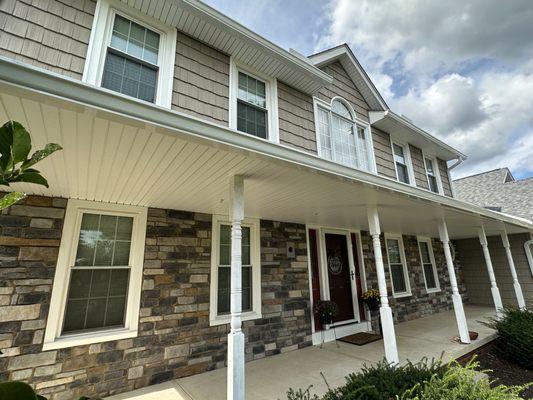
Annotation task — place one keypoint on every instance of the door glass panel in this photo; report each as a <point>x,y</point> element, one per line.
<point>338,269</point>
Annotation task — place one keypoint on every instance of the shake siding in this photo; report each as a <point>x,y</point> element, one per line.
<point>296,120</point>
<point>419,167</point>
<point>48,34</point>
<point>343,86</point>
<point>383,153</point>
<point>201,80</point>
<point>443,170</point>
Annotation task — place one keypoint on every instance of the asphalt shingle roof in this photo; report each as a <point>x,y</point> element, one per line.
<point>497,190</point>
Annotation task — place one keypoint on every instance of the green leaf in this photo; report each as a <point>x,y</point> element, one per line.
<point>6,142</point>
<point>31,177</point>
<point>16,390</point>
<point>21,143</point>
<point>10,199</point>
<point>41,154</point>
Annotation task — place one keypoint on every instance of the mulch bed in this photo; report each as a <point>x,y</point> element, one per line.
<point>505,372</point>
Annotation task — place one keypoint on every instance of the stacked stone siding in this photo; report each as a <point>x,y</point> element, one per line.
<point>175,338</point>
<point>420,303</point>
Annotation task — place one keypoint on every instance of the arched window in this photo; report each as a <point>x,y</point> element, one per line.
<point>340,137</point>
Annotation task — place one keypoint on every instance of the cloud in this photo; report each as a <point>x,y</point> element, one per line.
<point>461,70</point>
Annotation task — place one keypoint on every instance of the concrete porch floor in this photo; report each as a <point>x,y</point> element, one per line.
<point>270,378</point>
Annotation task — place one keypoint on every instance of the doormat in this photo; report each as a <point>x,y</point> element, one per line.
<point>361,338</point>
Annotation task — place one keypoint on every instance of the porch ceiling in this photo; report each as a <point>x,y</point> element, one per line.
<point>114,158</point>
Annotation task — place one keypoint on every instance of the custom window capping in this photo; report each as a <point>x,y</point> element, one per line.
<point>253,105</point>
<point>433,175</point>
<point>97,285</point>
<point>401,287</point>
<point>402,162</point>
<point>429,267</point>
<point>131,53</point>
<point>341,136</point>
<point>219,311</point>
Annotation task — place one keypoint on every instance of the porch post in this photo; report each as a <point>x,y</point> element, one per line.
<point>516,284</point>
<point>235,384</point>
<point>462,326</point>
<point>493,286</point>
<point>385,312</point>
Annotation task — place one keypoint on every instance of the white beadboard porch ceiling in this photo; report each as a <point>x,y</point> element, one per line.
<point>113,158</point>
<point>206,24</point>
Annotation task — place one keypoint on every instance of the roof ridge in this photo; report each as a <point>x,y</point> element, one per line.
<point>481,173</point>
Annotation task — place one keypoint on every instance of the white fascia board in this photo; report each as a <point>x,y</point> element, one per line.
<point>378,116</point>
<point>24,76</point>
<point>224,21</point>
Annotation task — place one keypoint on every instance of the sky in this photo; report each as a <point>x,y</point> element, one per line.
<point>462,70</point>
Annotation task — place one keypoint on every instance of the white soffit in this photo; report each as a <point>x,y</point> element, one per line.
<point>405,131</point>
<point>345,56</point>
<point>209,26</point>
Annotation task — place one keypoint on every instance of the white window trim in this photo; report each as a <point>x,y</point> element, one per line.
<point>399,238</point>
<point>436,170</point>
<point>529,254</point>
<point>358,122</point>
<point>53,338</point>
<point>100,39</point>
<point>271,94</point>
<point>408,160</point>
<point>428,241</point>
<point>255,248</point>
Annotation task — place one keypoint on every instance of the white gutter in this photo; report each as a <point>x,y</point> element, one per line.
<point>456,164</point>
<point>17,74</point>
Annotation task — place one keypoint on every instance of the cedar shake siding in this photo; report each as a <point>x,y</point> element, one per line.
<point>344,87</point>
<point>444,177</point>
<point>383,153</point>
<point>174,338</point>
<point>470,257</point>
<point>296,119</point>
<point>201,80</point>
<point>419,167</point>
<point>48,34</point>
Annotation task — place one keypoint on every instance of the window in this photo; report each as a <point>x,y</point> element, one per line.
<point>253,103</point>
<point>401,162</point>
<point>431,173</point>
<point>340,136</point>
<point>98,278</point>
<point>131,53</point>
<point>397,266</point>
<point>429,267</point>
<point>221,271</point>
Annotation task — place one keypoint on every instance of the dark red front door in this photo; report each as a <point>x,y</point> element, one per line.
<point>340,290</point>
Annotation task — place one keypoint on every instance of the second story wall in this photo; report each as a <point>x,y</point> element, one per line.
<point>47,33</point>
<point>419,168</point>
<point>383,153</point>
<point>444,177</point>
<point>201,80</point>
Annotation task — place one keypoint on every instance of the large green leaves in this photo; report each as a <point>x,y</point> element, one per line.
<point>15,166</point>
<point>10,199</point>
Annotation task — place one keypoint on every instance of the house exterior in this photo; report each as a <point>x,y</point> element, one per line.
<point>211,189</point>
<point>498,190</point>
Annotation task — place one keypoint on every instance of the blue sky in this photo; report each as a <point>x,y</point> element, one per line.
<point>461,70</point>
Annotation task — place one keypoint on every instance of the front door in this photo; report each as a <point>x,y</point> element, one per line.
<point>338,270</point>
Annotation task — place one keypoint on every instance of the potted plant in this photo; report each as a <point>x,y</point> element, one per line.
<point>371,299</point>
<point>326,310</point>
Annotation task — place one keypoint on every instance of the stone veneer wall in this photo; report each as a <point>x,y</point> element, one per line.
<point>420,303</point>
<point>175,338</point>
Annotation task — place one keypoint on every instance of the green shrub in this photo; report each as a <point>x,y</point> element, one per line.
<point>23,391</point>
<point>301,394</point>
<point>459,383</point>
<point>515,331</point>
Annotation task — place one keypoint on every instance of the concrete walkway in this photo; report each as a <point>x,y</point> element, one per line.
<point>270,378</point>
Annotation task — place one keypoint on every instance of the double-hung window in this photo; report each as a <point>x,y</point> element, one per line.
<point>97,285</point>
<point>221,271</point>
<point>431,173</point>
<point>401,161</point>
<point>429,267</point>
<point>397,266</point>
<point>340,136</point>
<point>131,53</point>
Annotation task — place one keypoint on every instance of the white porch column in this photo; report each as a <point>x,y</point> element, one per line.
<point>462,326</point>
<point>236,336</point>
<point>385,312</point>
<point>493,286</point>
<point>512,268</point>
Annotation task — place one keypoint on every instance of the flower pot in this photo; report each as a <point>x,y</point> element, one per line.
<point>473,335</point>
